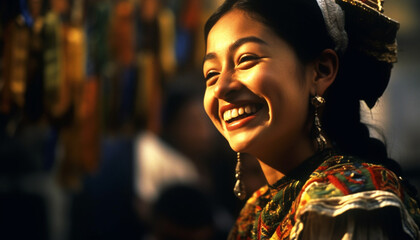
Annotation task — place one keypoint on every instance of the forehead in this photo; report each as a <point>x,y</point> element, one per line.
<point>234,25</point>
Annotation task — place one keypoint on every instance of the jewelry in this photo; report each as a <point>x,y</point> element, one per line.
<point>239,188</point>
<point>317,102</point>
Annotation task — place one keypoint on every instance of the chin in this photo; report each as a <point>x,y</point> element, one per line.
<point>241,142</point>
<point>236,147</point>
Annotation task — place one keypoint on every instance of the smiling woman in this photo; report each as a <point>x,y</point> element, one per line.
<point>284,80</point>
<point>254,69</point>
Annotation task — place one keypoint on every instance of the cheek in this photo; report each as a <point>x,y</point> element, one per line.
<point>211,107</point>
<point>283,91</point>
<point>255,80</point>
<point>265,83</point>
<point>289,106</point>
<point>268,76</point>
<point>207,103</point>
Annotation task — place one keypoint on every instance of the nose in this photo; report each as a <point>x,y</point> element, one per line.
<point>226,86</point>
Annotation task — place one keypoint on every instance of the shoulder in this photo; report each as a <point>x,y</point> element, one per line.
<point>345,187</point>
<point>344,175</point>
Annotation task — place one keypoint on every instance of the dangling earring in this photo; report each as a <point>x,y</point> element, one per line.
<point>239,188</point>
<point>317,102</point>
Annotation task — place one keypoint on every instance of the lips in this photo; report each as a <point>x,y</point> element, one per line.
<point>237,115</point>
<point>231,115</point>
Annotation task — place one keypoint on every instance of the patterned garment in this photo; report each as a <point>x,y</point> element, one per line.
<point>329,185</point>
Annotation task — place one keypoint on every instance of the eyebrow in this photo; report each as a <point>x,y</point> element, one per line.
<point>236,45</point>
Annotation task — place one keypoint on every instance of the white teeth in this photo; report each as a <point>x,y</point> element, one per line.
<point>235,112</point>
<point>241,111</point>
<point>227,115</point>
<point>248,109</point>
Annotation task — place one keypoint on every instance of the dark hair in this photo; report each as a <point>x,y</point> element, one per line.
<point>278,15</point>
<point>360,77</point>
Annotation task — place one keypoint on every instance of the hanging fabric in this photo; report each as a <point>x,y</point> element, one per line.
<point>166,22</point>
<point>16,59</point>
<point>89,129</point>
<point>53,65</point>
<point>98,56</point>
<point>150,85</point>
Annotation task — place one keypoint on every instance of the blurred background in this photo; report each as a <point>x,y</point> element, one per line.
<point>102,130</point>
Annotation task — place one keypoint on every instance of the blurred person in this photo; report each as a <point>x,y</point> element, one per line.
<point>186,128</point>
<point>182,212</point>
<point>177,154</point>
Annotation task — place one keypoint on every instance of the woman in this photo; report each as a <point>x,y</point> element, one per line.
<point>284,80</point>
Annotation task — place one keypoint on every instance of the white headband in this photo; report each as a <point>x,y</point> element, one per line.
<point>334,20</point>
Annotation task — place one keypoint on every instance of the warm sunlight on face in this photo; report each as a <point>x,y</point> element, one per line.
<point>257,93</point>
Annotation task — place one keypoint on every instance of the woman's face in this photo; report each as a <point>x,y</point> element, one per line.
<point>256,89</point>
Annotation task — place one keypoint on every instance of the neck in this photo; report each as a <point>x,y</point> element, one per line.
<point>271,174</point>
<point>275,169</point>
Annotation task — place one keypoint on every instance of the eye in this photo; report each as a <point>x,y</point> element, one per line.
<point>247,61</point>
<point>247,57</point>
<point>210,75</point>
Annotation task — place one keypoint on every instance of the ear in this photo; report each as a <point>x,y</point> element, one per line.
<point>325,71</point>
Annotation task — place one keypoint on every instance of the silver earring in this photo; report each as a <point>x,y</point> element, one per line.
<point>317,102</point>
<point>239,188</point>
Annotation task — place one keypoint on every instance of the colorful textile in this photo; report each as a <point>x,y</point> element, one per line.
<point>330,185</point>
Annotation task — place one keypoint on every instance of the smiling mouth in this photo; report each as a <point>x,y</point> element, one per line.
<point>235,114</point>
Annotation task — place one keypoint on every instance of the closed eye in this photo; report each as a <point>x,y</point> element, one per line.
<point>210,75</point>
<point>247,57</point>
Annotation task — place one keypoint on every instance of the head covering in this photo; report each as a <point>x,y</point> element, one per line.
<point>366,38</point>
<point>334,21</point>
<point>370,31</point>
